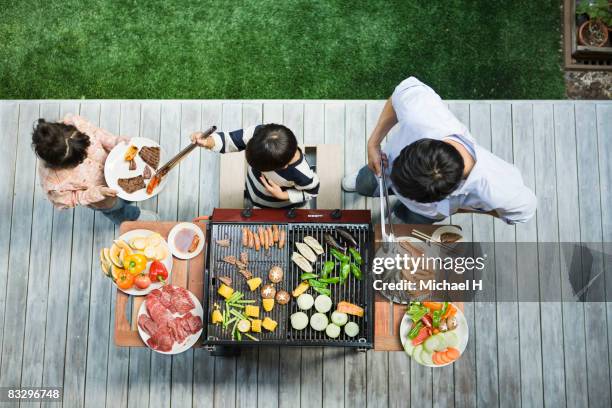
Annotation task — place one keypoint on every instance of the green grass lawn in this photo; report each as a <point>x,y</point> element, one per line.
<point>291,49</point>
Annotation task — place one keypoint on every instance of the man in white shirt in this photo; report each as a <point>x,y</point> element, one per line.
<point>435,166</point>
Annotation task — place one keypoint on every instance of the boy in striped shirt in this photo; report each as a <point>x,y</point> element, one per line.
<point>278,175</point>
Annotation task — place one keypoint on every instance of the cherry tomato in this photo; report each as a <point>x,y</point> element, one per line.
<point>142,281</point>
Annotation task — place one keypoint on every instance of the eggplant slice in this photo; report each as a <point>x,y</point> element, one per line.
<point>306,251</point>
<point>314,244</point>
<point>301,262</point>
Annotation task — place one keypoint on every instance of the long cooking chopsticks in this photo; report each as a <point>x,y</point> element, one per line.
<point>176,159</point>
<point>428,238</point>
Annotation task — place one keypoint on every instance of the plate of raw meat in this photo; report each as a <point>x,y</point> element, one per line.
<point>170,320</point>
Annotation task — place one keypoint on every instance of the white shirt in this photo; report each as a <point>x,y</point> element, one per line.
<point>493,184</point>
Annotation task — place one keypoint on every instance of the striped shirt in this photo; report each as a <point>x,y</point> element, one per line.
<point>297,179</point>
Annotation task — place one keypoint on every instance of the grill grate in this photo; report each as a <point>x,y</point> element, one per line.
<point>353,290</point>
<point>260,263</point>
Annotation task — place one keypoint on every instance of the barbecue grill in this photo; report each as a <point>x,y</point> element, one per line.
<point>228,224</point>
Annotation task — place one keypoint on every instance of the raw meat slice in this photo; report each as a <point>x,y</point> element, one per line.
<point>154,292</point>
<point>147,324</point>
<point>184,321</point>
<point>162,340</point>
<point>178,332</point>
<point>166,298</point>
<point>181,301</point>
<point>158,312</point>
<point>195,323</point>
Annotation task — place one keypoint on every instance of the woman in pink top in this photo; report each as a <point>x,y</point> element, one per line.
<point>72,154</point>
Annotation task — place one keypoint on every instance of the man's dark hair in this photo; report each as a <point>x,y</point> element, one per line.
<point>271,148</point>
<point>59,145</point>
<point>427,170</point>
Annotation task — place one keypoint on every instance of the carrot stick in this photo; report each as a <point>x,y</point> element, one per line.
<point>433,305</point>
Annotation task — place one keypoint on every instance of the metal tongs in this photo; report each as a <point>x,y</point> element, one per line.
<point>385,208</point>
<point>165,169</point>
<point>389,241</point>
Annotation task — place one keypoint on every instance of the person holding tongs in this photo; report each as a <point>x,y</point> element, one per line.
<point>434,165</point>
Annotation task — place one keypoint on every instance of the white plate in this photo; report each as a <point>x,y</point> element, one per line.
<point>116,167</point>
<point>189,341</point>
<point>175,230</point>
<point>461,330</point>
<point>167,261</point>
<point>445,229</point>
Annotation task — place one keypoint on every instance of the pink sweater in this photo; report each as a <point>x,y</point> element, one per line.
<point>80,185</point>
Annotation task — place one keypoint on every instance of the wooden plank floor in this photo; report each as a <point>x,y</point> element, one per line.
<point>55,306</point>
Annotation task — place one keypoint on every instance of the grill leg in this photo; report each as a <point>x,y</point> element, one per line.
<point>225,351</point>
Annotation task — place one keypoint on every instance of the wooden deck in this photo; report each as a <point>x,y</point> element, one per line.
<point>55,305</point>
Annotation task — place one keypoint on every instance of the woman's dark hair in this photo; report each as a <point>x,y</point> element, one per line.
<point>271,148</point>
<point>59,145</point>
<point>427,170</point>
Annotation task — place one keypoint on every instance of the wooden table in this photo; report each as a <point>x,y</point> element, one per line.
<point>185,273</point>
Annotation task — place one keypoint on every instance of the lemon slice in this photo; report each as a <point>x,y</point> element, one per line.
<point>114,253</point>
<point>106,267</point>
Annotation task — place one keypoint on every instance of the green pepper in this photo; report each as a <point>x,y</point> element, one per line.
<point>416,311</point>
<point>444,309</point>
<point>328,266</point>
<point>415,330</point>
<point>437,315</point>
<point>316,284</point>
<point>339,255</point>
<point>306,276</point>
<point>356,271</point>
<point>333,279</point>
<point>356,256</point>
<point>345,270</point>
<point>323,291</point>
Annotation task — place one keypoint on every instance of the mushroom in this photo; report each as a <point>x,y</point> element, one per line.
<point>282,297</point>
<point>275,274</point>
<point>451,323</point>
<point>268,291</point>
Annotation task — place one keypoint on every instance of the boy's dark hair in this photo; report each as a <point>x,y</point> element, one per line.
<point>271,148</point>
<point>59,145</point>
<point>427,170</point>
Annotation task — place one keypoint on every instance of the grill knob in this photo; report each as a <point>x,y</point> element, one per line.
<point>336,214</point>
<point>291,213</point>
<point>247,212</point>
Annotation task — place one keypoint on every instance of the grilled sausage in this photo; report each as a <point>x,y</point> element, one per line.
<point>194,244</point>
<point>281,239</point>
<point>275,232</point>
<point>257,242</point>
<point>251,238</point>
<point>245,236</point>
<point>265,243</point>
<point>270,237</point>
<point>262,237</point>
